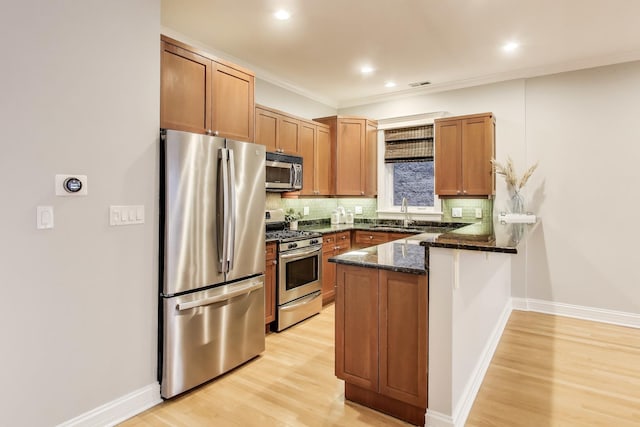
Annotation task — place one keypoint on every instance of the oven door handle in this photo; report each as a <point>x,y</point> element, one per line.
<point>301,301</point>
<point>299,254</point>
<point>220,298</point>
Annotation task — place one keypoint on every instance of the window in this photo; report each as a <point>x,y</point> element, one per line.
<point>406,168</point>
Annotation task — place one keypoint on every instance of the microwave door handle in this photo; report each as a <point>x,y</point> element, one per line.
<point>223,188</point>
<point>232,210</point>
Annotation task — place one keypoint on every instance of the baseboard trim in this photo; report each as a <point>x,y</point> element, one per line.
<point>619,318</point>
<point>437,419</point>
<point>461,413</point>
<point>118,410</point>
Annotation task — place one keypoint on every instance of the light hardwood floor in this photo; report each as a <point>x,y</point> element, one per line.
<point>558,371</point>
<point>547,371</point>
<point>291,384</point>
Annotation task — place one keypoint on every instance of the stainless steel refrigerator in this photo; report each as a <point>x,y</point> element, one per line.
<point>211,311</point>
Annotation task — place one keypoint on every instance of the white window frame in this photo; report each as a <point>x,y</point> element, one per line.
<point>385,208</point>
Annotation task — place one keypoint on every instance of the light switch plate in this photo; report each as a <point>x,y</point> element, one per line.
<point>126,215</point>
<point>478,212</point>
<point>305,210</point>
<point>359,210</point>
<point>456,212</point>
<point>44,217</point>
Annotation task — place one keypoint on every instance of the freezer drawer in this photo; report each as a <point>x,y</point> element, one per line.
<point>210,332</point>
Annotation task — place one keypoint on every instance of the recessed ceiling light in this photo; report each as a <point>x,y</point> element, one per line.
<point>282,15</point>
<point>511,46</point>
<point>367,69</point>
<point>390,84</point>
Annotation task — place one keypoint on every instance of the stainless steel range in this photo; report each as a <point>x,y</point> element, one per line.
<point>299,273</point>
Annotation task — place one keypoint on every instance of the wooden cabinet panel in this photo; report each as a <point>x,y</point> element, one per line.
<point>323,169</point>
<point>478,149</point>
<point>349,157</point>
<point>270,283</point>
<point>266,128</point>
<point>395,236</point>
<point>403,337</point>
<point>202,94</point>
<point>371,161</point>
<point>357,326</point>
<point>333,244</point>
<point>233,105</point>
<point>363,239</point>
<point>308,154</point>
<point>464,148</point>
<point>185,90</point>
<point>353,154</point>
<point>288,135</point>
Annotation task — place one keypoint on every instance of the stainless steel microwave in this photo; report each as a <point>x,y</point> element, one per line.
<point>283,172</point>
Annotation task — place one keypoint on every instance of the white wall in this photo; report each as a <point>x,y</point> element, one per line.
<point>80,94</point>
<point>274,96</point>
<point>582,128</point>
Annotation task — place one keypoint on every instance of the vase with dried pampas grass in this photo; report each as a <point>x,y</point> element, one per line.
<point>514,183</point>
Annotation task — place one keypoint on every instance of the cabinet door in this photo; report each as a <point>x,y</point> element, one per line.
<point>343,242</point>
<point>350,157</point>
<point>266,129</point>
<point>357,326</point>
<point>270,284</point>
<point>185,90</point>
<point>370,161</point>
<point>364,239</point>
<point>323,170</point>
<point>448,164</point>
<point>328,278</point>
<point>233,104</point>
<point>477,152</point>
<point>403,337</point>
<point>307,151</point>
<point>288,135</point>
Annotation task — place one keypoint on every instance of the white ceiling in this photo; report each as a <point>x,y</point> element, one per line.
<point>451,43</point>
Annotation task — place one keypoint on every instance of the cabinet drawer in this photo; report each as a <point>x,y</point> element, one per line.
<point>328,240</point>
<point>270,252</point>
<point>370,237</point>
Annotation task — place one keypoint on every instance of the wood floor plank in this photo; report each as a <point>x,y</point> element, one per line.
<point>548,371</point>
<point>291,384</point>
<point>558,371</point>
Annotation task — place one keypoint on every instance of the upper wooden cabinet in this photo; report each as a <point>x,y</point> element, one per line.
<point>353,142</point>
<point>277,131</point>
<point>464,147</point>
<point>315,149</point>
<point>200,93</point>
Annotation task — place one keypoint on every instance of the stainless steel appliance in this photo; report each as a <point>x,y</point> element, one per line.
<point>299,273</point>
<point>212,258</point>
<point>283,172</point>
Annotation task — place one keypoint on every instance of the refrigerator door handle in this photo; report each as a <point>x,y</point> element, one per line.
<point>220,298</point>
<point>223,229</point>
<point>232,211</point>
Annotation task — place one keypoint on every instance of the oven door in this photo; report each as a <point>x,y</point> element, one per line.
<point>299,273</point>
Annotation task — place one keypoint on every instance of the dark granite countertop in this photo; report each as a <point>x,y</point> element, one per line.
<point>410,254</point>
<point>404,255</point>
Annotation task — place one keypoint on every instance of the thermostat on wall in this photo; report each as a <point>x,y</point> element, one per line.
<point>71,185</point>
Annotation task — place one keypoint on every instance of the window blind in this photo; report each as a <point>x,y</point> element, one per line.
<point>412,144</point>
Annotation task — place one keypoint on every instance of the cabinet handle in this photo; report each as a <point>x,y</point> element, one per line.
<point>216,133</point>
<point>464,192</point>
<point>362,193</point>
<point>274,261</point>
<point>458,192</point>
<point>209,132</point>
<point>370,237</point>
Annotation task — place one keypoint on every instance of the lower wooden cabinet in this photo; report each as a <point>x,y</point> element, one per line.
<point>270,283</point>
<point>333,244</point>
<point>365,238</point>
<point>382,338</point>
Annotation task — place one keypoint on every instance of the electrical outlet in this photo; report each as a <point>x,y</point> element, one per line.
<point>305,210</point>
<point>456,212</point>
<point>359,210</point>
<point>478,212</point>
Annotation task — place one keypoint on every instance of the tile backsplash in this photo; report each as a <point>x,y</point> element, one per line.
<point>322,207</point>
<point>468,209</point>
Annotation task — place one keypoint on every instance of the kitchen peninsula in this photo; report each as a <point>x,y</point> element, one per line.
<point>418,319</point>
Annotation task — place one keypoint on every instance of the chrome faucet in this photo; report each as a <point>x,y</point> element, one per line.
<point>404,208</point>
